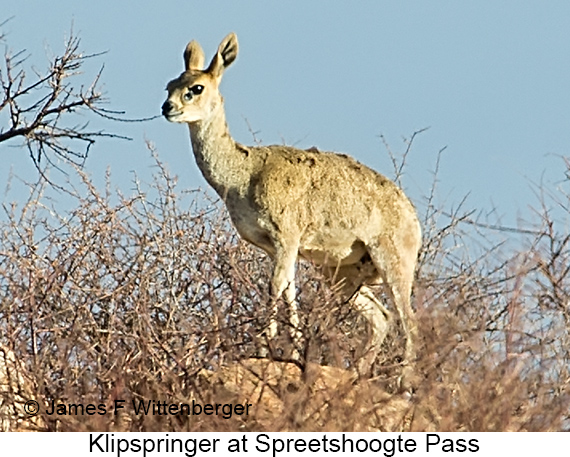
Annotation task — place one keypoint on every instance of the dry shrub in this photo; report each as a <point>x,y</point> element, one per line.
<point>152,296</point>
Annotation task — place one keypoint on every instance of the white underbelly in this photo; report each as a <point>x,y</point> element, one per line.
<point>334,254</point>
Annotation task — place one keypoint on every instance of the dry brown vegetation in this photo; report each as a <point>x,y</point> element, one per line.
<point>152,296</point>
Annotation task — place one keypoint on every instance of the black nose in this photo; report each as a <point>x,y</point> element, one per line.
<point>166,107</point>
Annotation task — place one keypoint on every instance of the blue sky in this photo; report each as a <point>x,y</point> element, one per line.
<point>490,79</point>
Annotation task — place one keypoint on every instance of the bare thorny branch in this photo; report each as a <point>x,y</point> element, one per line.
<point>399,163</point>
<point>39,108</point>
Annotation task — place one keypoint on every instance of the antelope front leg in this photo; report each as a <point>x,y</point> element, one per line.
<point>283,283</point>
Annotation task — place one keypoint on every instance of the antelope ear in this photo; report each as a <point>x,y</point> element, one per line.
<point>227,53</point>
<point>193,56</point>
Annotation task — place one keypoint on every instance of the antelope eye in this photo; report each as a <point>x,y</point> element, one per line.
<point>194,90</point>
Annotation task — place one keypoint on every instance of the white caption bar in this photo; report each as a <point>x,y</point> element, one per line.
<point>281,444</point>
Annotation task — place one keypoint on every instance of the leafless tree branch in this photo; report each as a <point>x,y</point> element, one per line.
<point>42,107</point>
